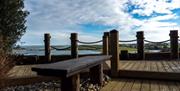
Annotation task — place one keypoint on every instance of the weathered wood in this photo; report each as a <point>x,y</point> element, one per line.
<point>69,67</point>
<point>96,74</point>
<point>174,44</point>
<point>109,42</point>
<point>149,75</point>
<point>69,71</point>
<point>141,85</point>
<point>26,80</point>
<point>74,45</point>
<point>71,83</point>
<point>124,55</point>
<point>140,45</point>
<point>105,43</point>
<point>114,38</point>
<point>47,46</point>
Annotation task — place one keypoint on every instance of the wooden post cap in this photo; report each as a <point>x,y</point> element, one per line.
<point>174,33</point>
<point>106,33</point>
<point>140,34</point>
<point>114,31</point>
<point>73,35</point>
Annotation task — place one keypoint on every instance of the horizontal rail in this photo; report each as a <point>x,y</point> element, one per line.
<point>82,42</point>
<point>128,40</point>
<point>157,42</point>
<point>66,48</point>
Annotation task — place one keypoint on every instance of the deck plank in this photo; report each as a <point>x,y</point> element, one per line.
<point>145,85</point>
<point>160,67</point>
<point>141,66</point>
<point>146,68</point>
<point>172,86</point>
<point>111,85</point>
<point>172,66</point>
<point>128,85</point>
<point>135,67</point>
<point>129,66</point>
<point>153,66</point>
<point>154,86</point>
<point>141,85</point>
<point>120,85</point>
<point>163,86</point>
<point>124,64</point>
<point>177,66</point>
<point>136,86</point>
<point>166,66</point>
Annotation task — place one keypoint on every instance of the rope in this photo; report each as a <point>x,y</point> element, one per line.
<point>127,40</point>
<point>89,42</point>
<point>156,42</point>
<point>66,48</point>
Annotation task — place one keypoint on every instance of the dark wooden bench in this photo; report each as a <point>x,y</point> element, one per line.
<point>69,71</point>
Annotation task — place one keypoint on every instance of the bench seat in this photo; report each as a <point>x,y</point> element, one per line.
<point>69,67</point>
<point>69,71</point>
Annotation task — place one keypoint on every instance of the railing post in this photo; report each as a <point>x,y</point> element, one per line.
<point>140,45</point>
<point>114,39</point>
<point>174,44</point>
<point>105,43</point>
<point>74,45</point>
<point>124,55</point>
<point>47,47</point>
<point>109,42</point>
<point>72,83</point>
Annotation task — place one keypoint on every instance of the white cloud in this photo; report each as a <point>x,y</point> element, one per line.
<point>165,17</point>
<point>147,7</point>
<point>62,17</point>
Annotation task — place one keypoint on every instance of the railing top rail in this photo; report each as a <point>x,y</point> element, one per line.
<point>128,40</point>
<point>159,42</point>
<point>95,42</point>
<point>60,48</point>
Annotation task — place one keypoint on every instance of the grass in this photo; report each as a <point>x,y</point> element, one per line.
<point>130,50</point>
<point>99,48</point>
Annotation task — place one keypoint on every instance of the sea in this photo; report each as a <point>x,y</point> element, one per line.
<point>39,51</point>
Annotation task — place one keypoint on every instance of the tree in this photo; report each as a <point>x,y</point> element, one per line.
<point>12,22</point>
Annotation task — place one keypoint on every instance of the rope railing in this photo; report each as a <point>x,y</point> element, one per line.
<point>128,40</point>
<point>95,42</point>
<point>160,42</point>
<point>66,48</point>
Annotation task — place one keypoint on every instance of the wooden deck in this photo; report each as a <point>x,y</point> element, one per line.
<point>149,66</point>
<point>141,85</point>
<point>22,75</point>
<point>166,70</point>
<point>153,66</point>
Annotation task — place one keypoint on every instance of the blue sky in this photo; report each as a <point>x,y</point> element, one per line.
<point>90,18</point>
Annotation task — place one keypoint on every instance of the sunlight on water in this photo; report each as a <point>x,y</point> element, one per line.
<point>39,50</point>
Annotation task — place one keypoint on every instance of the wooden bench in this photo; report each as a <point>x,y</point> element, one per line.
<point>69,71</point>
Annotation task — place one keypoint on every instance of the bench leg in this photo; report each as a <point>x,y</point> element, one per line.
<point>96,74</point>
<point>71,83</point>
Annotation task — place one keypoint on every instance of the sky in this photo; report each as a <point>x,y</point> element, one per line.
<point>90,18</point>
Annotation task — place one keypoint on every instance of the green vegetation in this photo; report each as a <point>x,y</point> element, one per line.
<point>12,27</point>
<point>12,22</point>
<point>99,48</point>
<point>130,50</point>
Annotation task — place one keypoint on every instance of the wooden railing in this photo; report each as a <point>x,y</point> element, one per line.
<point>110,43</point>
